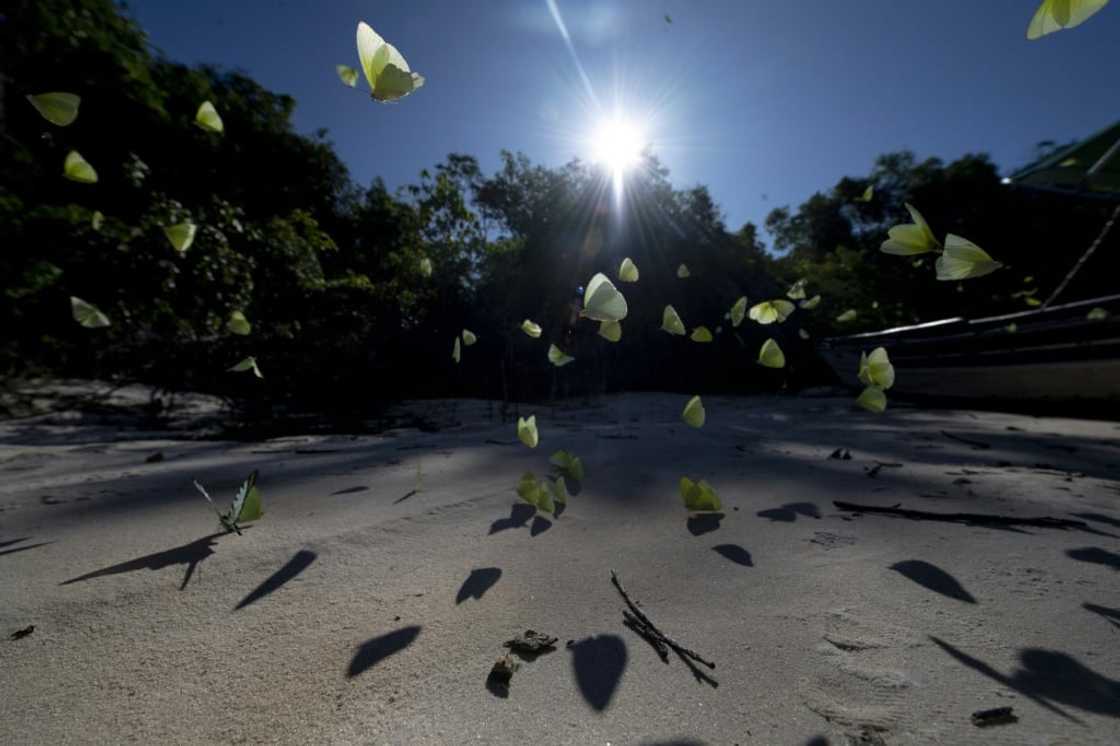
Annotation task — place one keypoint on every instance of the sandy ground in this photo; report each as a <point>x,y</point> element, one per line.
<point>358,611</point>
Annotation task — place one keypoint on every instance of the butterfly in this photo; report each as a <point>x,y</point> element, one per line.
<point>385,68</point>
<point>246,505</point>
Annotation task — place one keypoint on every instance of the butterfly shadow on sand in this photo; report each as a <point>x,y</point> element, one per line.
<point>191,555</point>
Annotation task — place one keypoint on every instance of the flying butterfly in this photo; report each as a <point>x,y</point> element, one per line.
<point>671,322</point>
<point>60,109</point>
<point>385,68</point>
<point>602,301</point>
<point>246,505</point>
<point>1055,15</point>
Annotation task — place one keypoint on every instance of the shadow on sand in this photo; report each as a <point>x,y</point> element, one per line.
<point>378,649</point>
<point>191,555</point>
<point>297,564</point>
<point>934,578</point>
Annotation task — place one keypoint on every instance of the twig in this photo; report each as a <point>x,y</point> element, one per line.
<point>651,630</point>
<point>967,441</point>
<point>980,519</point>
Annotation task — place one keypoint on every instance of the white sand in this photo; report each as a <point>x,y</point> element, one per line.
<point>819,637</point>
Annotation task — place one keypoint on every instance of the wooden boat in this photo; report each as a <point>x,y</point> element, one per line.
<point>1058,354</point>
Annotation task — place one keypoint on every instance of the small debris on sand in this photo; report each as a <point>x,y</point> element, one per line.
<point>995,716</point>
<point>19,634</point>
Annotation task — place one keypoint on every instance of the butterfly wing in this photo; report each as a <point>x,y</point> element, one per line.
<point>247,503</point>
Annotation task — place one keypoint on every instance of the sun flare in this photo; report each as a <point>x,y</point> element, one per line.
<point>617,144</point>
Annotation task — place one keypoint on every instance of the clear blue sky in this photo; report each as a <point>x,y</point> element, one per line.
<point>750,97</point>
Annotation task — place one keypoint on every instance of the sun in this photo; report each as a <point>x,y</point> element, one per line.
<point>617,144</point>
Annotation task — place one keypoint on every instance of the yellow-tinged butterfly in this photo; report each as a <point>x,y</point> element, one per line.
<point>610,330</point>
<point>469,337</point>
<point>456,351</point>
<point>527,430</point>
<point>699,496</point>
<point>246,505</point>
<point>238,324</point>
<point>567,465</point>
<point>797,290</point>
<point>849,315</point>
<point>557,357</point>
<point>385,68</point>
<point>910,238</point>
<point>533,330</point>
<point>530,489</point>
<point>1055,15</point>
<point>249,363</point>
<point>694,414</point>
<point>682,272</point>
<point>671,322</point>
<point>87,314</point>
<point>347,74</point>
<point>769,311</point>
<point>602,301</point>
<point>873,399</point>
<point>207,118</point>
<point>426,267</point>
<point>963,259</point>
<point>181,235</point>
<point>876,369</point>
<point>771,355</point>
<point>701,334</point>
<point>867,195</point>
<point>60,109</point>
<point>76,168</point>
<point>628,271</point>
<point>738,311</point>
<point>810,303</point>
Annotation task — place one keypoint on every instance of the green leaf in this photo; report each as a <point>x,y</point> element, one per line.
<point>533,330</point>
<point>628,271</point>
<point>602,301</point>
<point>76,168</point>
<point>181,235</point>
<point>238,324</point>
<point>558,358</point>
<point>60,109</point>
<point>527,430</point>
<point>347,74</point>
<point>87,314</point>
<point>771,355</point>
<point>694,414</point>
<point>699,496</point>
<point>671,322</point>
<point>207,118</point>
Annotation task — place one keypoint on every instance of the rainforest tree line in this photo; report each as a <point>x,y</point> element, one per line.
<point>329,272</point>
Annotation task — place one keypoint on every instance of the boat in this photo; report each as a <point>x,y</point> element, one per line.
<point>1064,354</point>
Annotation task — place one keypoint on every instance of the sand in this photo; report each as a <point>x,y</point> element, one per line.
<point>359,610</point>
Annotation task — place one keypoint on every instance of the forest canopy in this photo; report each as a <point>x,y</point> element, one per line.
<point>344,293</point>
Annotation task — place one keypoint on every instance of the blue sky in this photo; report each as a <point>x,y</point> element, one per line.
<point>765,102</point>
